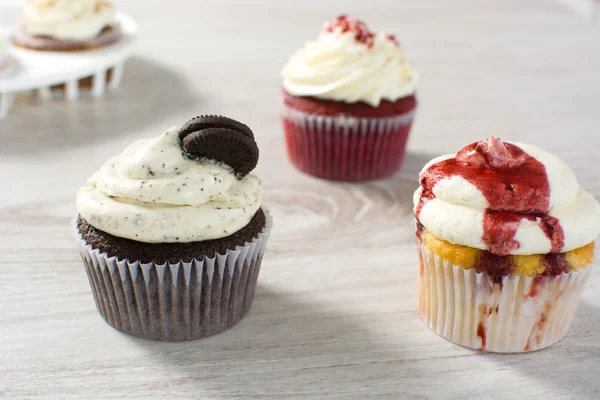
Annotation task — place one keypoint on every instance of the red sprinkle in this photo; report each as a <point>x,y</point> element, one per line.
<point>361,31</point>
<point>392,38</point>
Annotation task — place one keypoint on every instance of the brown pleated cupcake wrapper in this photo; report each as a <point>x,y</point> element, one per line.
<point>520,314</point>
<point>174,302</point>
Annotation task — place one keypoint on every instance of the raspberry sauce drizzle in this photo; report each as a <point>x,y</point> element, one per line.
<point>514,184</point>
<point>425,197</point>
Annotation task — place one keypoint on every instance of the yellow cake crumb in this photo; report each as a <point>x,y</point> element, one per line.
<point>458,254</point>
<point>529,264</point>
<point>581,257</point>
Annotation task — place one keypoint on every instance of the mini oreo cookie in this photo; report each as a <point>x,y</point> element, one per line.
<point>221,139</point>
<point>214,121</point>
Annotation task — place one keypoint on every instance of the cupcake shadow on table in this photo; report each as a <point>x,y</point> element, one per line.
<point>95,120</point>
<point>298,336</point>
<point>555,366</point>
<point>293,343</point>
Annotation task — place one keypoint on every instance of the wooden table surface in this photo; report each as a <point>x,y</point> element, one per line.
<point>335,312</point>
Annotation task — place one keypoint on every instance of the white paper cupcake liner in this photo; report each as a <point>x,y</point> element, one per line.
<point>520,314</point>
<point>346,148</point>
<point>174,302</point>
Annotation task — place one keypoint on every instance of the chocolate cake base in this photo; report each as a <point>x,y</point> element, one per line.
<point>180,300</point>
<point>167,252</point>
<point>107,36</point>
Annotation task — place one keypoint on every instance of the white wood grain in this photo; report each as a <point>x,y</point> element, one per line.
<point>335,310</point>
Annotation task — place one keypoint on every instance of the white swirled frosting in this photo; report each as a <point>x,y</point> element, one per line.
<point>455,209</point>
<point>349,63</point>
<point>152,193</point>
<point>77,20</point>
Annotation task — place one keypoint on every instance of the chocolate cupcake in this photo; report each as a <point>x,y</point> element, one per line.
<point>505,237</point>
<point>172,232</point>
<point>349,102</point>
<point>67,25</point>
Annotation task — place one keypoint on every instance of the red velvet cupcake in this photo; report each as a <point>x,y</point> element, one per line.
<point>349,101</point>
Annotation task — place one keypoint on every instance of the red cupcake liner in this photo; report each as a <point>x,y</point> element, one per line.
<point>345,148</point>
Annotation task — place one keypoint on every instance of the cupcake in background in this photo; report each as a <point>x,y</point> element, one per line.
<point>172,231</point>
<point>505,238</point>
<point>349,102</point>
<point>67,25</point>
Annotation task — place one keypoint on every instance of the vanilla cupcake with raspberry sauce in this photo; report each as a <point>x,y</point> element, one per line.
<point>505,237</point>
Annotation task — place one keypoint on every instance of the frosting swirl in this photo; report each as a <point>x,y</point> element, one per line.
<point>506,198</point>
<point>349,63</point>
<point>78,20</point>
<point>153,193</point>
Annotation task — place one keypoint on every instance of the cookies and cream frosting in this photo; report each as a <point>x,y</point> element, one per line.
<point>350,63</point>
<point>77,20</point>
<point>507,198</point>
<point>152,192</point>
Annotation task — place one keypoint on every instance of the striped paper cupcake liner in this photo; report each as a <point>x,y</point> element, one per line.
<point>346,148</point>
<point>518,314</point>
<point>175,302</point>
